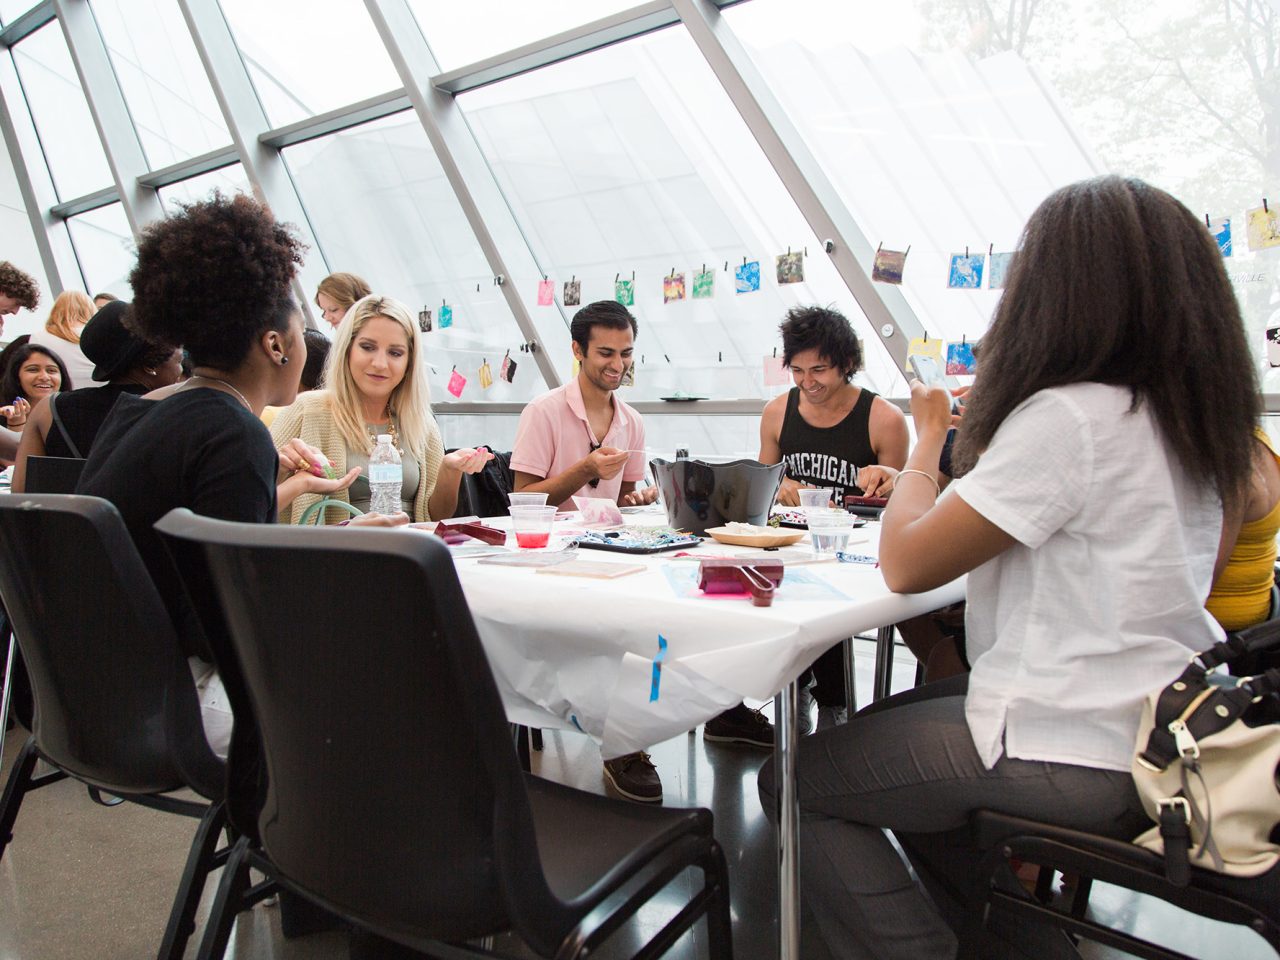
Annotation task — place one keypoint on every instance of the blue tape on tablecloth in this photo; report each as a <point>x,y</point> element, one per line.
<point>657,669</point>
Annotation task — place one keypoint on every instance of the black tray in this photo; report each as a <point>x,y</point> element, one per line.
<point>859,520</point>
<point>630,546</point>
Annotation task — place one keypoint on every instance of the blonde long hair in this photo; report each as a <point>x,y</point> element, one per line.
<point>410,402</point>
<point>70,311</point>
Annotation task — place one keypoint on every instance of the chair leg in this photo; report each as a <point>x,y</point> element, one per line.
<point>719,923</point>
<point>520,734</point>
<point>227,904</point>
<point>15,789</point>
<point>200,862</point>
<point>535,738</point>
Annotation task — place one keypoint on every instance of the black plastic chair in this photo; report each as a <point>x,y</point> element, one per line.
<point>392,796</point>
<point>53,474</point>
<point>115,706</point>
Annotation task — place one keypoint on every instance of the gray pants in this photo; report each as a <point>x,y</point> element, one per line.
<point>908,764</point>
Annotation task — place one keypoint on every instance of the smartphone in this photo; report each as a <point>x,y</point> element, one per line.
<point>927,371</point>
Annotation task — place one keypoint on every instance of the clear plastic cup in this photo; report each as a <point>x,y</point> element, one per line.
<point>527,499</point>
<point>816,498</point>
<point>829,532</point>
<point>532,526</point>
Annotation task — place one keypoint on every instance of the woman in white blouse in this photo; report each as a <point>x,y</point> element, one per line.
<point>1111,420</point>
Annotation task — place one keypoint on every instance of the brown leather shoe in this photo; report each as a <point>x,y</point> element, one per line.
<point>634,777</point>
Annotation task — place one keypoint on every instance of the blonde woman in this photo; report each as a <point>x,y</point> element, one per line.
<point>375,383</point>
<point>337,292</point>
<point>61,334</point>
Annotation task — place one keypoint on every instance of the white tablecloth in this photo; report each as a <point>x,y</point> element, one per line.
<point>578,653</point>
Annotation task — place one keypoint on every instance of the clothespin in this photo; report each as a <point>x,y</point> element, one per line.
<point>1206,221</point>
<point>966,251</point>
<point>719,356</point>
<point>806,251</point>
<point>788,251</point>
<point>573,278</point>
<point>775,353</point>
<point>672,273</point>
<point>668,359</point>
<point>906,251</point>
<point>617,276</point>
<point>444,302</point>
<point>879,246</point>
<point>633,276</point>
<point>726,266</point>
<point>963,339</point>
<point>477,288</point>
<point>744,261</point>
<point>704,268</point>
<point>1265,209</point>
<point>990,249</point>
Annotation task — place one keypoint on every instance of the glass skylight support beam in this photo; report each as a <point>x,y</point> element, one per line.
<point>111,117</point>
<point>27,24</point>
<point>814,194</point>
<point>186,169</point>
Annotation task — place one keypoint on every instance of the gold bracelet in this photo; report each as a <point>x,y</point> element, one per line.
<point>937,490</point>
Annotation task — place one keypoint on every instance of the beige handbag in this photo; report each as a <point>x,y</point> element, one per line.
<point>1207,763</point>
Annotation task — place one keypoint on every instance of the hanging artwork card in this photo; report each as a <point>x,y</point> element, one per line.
<point>775,374</point>
<point>546,292</point>
<point>424,320</point>
<point>960,361</point>
<point>624,291</point>
<point>1220,230</point>
<point>746,278</point>
<point>673,288</point>
<point>446,316</point>
<point>791,267</point>
<point>889,265</point>
<point>704,285</point>
<point>572,293</point>
<point>1263,227</point>
<point>485,373</point>
<point>966,271</point>
<point>1273,346</point>
<point>507,371</point>
<point>456,382</point>
<point>998,270</point>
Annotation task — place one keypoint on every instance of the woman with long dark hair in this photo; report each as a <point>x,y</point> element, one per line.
<point>34,373</point>
<point>1095,463</point>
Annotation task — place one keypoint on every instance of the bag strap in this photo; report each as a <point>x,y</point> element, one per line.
<point>1175,831</point>
<point>316,510</point>
<point>62,428</point>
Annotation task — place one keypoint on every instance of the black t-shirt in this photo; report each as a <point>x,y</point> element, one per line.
<point>82,413</point>
<point>200,449</point>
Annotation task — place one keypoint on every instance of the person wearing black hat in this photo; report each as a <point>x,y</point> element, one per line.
<point>65,424</point>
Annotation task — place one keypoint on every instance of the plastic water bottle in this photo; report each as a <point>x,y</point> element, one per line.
<point>386,477</point>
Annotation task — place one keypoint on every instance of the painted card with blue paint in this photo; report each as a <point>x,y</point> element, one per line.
<point>746,278</point>
<point>444,318</point>
<point>1220,227</point>
<point>966,271</point>
<point>960,362</point>
<point>998,270</point>
<point>624,291</point>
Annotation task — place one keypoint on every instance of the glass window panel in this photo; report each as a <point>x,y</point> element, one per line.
<point>164,83</point>
<point>632,160</point>
<point>10,10</point>
<point>230,180</point>
<point>380,206</point>
<point>943,127</point>
<point>105,248</point>
<point>463,33</point>
<point>61,113</point>
<point>309,56</point>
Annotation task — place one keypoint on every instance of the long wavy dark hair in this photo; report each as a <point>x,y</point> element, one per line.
<point>1117,282</point>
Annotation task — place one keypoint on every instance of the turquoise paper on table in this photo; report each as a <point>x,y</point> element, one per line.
<point>797,584</point>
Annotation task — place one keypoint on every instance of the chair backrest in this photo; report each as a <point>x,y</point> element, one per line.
<point>393,793</point>
<point>53,474</point>
<point>115,703</point>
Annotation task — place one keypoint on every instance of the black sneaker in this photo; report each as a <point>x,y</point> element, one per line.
<point>740,724</point>
<point>635,777</point>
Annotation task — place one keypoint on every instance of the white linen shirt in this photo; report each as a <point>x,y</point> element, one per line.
<point>1102,598</point>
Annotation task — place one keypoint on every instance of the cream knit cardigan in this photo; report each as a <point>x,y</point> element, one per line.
<point>311,419</point>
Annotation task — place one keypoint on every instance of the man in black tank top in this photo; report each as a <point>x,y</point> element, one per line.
<point>825,428</point>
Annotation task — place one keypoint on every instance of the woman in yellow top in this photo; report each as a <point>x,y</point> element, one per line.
<point>1241,594</point>
<point>375,382</point>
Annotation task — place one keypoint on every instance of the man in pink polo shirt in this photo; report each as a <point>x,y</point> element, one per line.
<point>580,439</point>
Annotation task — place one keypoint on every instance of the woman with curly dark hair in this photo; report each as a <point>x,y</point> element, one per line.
<point>1097,467</point>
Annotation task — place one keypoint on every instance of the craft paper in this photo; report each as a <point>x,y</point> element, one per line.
<point>998,270</point>
<point>486,376</point>
<point>424,320</point>
<point>572,293</point>
<point>546,292</point>
<point>925,347</point>
<point>507,371</point>
<point>1273,346</point>
<point>889,266</point>
<point>704,285</point>
<point>446,317</point>
<point>624,291</point>
<point>599,511</point>
<point>1220,228</point>
<point>791,267</point>
<point>960,360</point>
<point>673,288</point>
<point>1264,228</point>
<point>775,374</point>
<point>747,277</point>
<point>456,382</point>
<point>966,271</point>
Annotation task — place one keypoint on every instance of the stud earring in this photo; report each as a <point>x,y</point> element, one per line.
<point>283,361</point>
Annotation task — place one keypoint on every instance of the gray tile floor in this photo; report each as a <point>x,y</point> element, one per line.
<point>80,881</point>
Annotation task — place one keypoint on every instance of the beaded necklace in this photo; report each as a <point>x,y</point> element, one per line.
<point>390,431</point>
